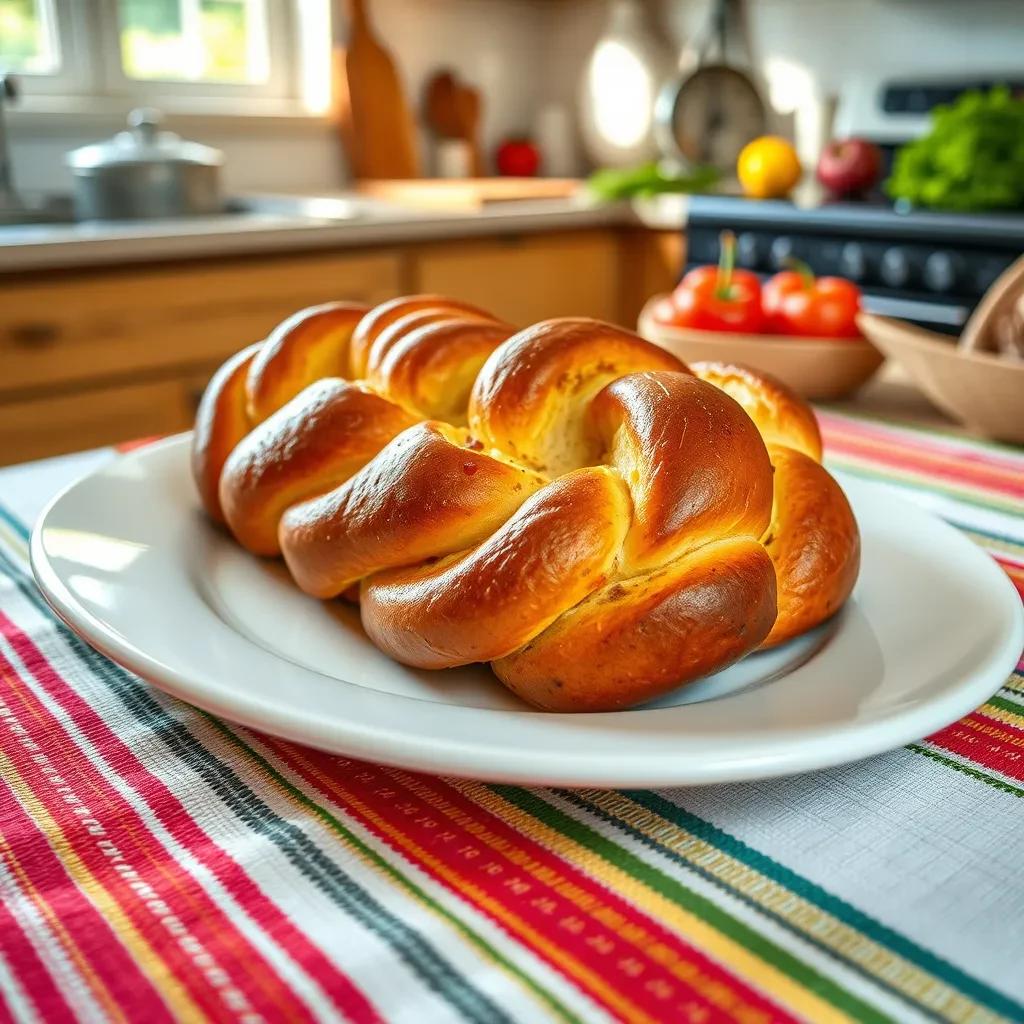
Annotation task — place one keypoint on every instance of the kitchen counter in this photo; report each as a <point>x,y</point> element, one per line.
<point>324,222</point>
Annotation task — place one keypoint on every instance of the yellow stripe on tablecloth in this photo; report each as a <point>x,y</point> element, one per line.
<point>730,954</point>
<point>797,911</point>
<point>156,969</point>
<point>586,980</point>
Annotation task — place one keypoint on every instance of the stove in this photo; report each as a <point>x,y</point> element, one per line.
<point>920,265</point>
<point>928,267</point>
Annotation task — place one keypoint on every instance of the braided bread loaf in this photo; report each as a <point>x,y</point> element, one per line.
<point>570,502</point>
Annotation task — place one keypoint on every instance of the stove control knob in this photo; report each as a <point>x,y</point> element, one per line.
<point>853,263</point>
<point>941,271</point>
<point>782,252</point>
<point>895,268</point>
<point>748,250</point>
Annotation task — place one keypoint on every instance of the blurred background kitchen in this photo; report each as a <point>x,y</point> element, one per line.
<point>537,157</point>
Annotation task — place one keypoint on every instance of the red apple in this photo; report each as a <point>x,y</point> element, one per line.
<point>517,158</point>
<point>849,167</point>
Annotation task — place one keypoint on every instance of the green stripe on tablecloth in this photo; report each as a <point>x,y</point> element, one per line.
<point>334,824</point>
<point>344,892</point>
<point>1006,705</point>
<point>16,524</point>
<point>802,887</point>
<point>974,773</point>
<point>693,902</point>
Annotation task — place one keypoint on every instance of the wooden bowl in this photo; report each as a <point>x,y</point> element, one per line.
<point>819,368</point>
<point>982,390</point>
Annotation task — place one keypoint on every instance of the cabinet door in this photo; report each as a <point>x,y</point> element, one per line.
<point>51,425</point>
<point>107,323</point>
<point>526,278</point>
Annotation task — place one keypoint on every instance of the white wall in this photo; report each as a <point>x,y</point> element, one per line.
<point>520,53</point>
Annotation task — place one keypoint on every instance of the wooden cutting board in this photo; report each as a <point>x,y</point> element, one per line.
<point>376,122</point>
<point>468,193</point>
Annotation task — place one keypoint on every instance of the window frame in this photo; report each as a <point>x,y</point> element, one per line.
<point>90,79</point>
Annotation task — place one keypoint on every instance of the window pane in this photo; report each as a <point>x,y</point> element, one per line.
<point>27,39</point>
<point>194,40</point>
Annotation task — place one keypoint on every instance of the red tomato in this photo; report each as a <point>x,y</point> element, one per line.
<point>796,302</point>
<point>720,298</point>
<point>517,158</point>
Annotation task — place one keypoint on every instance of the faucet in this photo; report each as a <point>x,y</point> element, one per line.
<point>10,201</point>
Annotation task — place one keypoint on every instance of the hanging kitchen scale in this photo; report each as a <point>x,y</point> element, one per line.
<point>709,113</point>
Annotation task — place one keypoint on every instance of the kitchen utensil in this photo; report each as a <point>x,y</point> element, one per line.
<point>123,554</point>
<point>145,172</point>
<point>627,67</point>
<point>439,106</point>
<point>714,109</point>
<point>376,123</point>
<point>980,389</point>
<point>818,368</point>
<point>452,110</point>
<point>467,106</point>
<point>453,158</point>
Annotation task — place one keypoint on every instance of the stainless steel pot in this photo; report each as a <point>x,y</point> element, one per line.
<point>145,172</point>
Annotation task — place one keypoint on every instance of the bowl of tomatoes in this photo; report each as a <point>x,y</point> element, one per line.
<point>800,328</point>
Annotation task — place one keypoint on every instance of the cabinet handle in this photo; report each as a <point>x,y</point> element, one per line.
<point>34,334</point>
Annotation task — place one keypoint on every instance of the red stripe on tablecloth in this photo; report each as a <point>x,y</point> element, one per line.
<point>948,449</point>
<point>88,936</point>
<point>453,838</point>
<point>934,465</point>
<point>164,954</point>
<point>986,742</point>
<point>36,981</point>
<point>178,822</point>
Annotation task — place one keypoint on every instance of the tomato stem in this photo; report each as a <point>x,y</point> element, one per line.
<point>726,264</point>
<point>803,269</point>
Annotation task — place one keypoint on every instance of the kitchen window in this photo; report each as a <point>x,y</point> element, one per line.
<point>190,56</point>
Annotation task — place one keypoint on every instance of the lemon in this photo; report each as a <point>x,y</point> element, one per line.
<point>768,167</point>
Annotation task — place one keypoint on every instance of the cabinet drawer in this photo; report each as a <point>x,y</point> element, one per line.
<point>37,428</point>
<point>528,278</point>
<point>108,322</point>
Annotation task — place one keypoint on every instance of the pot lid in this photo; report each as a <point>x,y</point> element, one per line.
<point>143,143</point>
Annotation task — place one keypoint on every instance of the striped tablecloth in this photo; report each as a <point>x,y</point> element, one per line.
<point>158,864</point>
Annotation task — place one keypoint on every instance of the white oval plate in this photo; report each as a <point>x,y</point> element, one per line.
<point>126,558</point>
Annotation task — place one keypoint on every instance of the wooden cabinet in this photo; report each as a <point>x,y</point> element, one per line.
<point>528,278</point>
<point>84,326</point>
<point>34,428</point>
<point>105,355</point>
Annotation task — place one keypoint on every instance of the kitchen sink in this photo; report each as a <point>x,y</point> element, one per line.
<point>58,212</point>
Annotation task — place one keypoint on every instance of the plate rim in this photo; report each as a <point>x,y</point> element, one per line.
<point>398,749</point>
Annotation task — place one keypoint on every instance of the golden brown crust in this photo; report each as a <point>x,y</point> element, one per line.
<point>221,422</point>
<point>606,528</point>
<point>813,542</point>
<point>310,344</point>
<point>695,464</point>
<point>781,415</point>
<point>381,317</point>
<point>488,602</point>
<point>635,639</point>
<point>531,396</point>
<point>432,368</point>
<point>397,331</point>
<point>315,442</point>
<point>429,493</point>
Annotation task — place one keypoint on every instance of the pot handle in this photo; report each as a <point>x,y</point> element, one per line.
<point>145,123</point>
